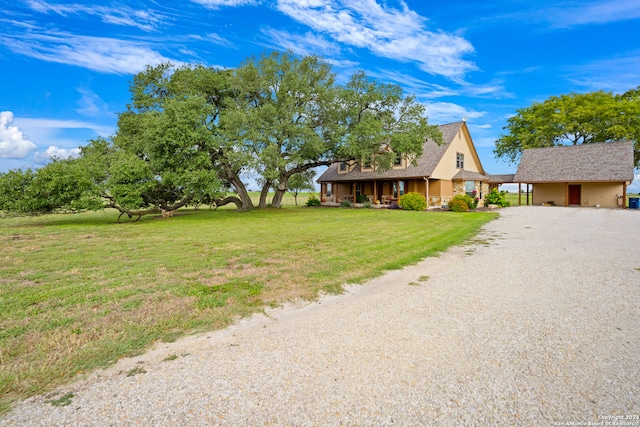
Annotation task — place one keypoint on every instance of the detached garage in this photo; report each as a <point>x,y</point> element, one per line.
<point>578,175</point>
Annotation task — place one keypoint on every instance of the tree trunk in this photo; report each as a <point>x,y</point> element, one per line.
<point>227,200</point>
<point>263,194</point>
<point>282,188</point>
<point>233,178</point>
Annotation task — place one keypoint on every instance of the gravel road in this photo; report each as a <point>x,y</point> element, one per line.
<point>536,322</point>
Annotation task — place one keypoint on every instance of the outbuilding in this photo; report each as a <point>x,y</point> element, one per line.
<point>594,174</point>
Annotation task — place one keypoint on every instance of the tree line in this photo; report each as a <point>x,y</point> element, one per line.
<point>190,132</point>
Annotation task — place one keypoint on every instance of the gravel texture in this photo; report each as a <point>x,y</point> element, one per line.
<point>535,322</point>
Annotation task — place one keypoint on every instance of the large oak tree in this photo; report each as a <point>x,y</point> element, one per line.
<point>573,119</point>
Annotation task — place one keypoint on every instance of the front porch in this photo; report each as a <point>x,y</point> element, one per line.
<point>437,192</point>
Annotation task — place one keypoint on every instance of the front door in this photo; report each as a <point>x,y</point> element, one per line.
<point>575,194</point>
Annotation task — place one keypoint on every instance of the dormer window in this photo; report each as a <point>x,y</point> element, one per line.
<point>397,161</point>
<point>460,160</point>
<point>342,167</point>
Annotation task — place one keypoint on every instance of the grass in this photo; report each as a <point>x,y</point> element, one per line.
<point>78,292</point>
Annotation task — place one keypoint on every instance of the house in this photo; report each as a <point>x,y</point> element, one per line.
<point>578,175</point>
<point>441,172</point>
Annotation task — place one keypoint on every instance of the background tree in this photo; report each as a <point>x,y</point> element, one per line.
<point>572,119</point>
<point>300,182</point>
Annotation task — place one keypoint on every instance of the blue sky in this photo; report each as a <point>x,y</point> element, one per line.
<point>65,67</point>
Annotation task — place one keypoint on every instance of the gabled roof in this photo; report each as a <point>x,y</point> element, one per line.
<point>431,155</point>
<point>599,162</point>
<point>501,179</point>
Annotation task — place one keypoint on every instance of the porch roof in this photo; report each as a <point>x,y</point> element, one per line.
<point>501,179</point>
<point>465,175</point>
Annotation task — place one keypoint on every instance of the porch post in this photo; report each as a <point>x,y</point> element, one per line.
<point>375,190</point>
<point>519,194</point>
<point>624,195</point>
<point>566,194</point>
<point>426,182</point>
<point>527,194</point>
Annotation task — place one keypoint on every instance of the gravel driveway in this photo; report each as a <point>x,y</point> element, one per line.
<point>534,323</point>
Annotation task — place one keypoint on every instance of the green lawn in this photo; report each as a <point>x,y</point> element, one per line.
<point>80,291</point>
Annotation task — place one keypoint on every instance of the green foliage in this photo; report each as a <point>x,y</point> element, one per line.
<point>468,201</point>
<point>497,198</point>
<point>413,202</point>
<point>574,118</point>
<point>313,201</point>
<point>345,204</point>
<point>190,132</point>
<point>460,203</point>
<point>361,198</point>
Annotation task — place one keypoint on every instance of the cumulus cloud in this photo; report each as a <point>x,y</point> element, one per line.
<point>100,54</point>
<point>387,32</point>
<point>13,143</point>
<point>54,152</point>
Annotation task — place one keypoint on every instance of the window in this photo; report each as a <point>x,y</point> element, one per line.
<point>397,161</point>
<point>460,160</point>
<point>329,185</point>
<point>342,167</point>
<point>398,189</point>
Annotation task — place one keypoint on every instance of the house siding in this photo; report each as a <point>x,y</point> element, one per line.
<point>549,193</point>
<point>604,194</point>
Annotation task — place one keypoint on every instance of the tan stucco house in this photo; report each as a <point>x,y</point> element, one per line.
<point>440,173</point>
<point>578,175</point>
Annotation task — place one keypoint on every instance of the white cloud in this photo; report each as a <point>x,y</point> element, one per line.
<point>13,143</point>
<point>387,32</point>
<point>92,105</point>
<point>447,112</point>
<point>613,74</point>
<point>635,185</point>
<point>595,12</point>
<point>145,20</point>
<point>302,44</point>
<point>101,54</point>
<point>47,129</point>
<point>52,152</point>
<point>485,126</point>
<point>216,4</point>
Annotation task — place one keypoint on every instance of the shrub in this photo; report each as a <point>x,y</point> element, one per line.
<point>497,198</point>
<point>459,204</point>
<point>345,204</point>
<point>413,202</point>
<point>362,199</point>
<point>313,201</point>
<point>468,200</point>
<point>366,204</point>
